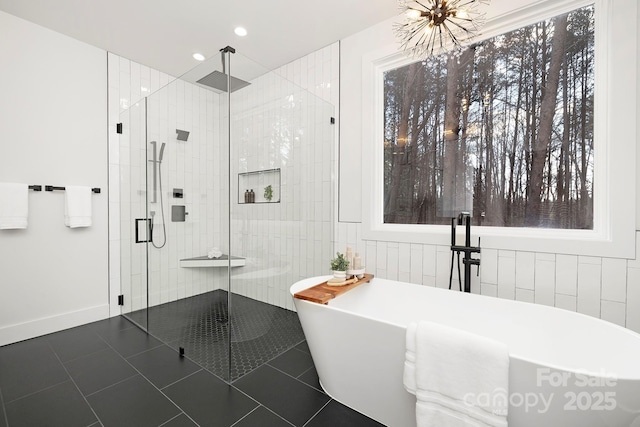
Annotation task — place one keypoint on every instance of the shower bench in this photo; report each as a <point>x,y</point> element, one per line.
<point>205,261</point>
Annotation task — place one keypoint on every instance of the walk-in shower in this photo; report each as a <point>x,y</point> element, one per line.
<point>233,312</point>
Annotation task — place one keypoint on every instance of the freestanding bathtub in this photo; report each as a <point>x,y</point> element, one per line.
<point>566,369</point>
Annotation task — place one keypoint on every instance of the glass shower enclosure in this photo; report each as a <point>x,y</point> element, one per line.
<point>227,183</point>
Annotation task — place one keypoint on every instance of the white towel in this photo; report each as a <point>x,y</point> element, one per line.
<point>214,253</point>
<point>409,378</point>
<point>461,379</point>
<point>77,206</point>
<point>14,205</point>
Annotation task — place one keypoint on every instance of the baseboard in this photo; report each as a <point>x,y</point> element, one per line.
<point>35,328</point>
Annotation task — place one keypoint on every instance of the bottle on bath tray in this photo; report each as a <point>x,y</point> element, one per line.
<point>349,257</point>
<point>357,262</point>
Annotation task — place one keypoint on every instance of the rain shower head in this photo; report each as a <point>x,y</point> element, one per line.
<point>183,135</point>
<point>218,81</point>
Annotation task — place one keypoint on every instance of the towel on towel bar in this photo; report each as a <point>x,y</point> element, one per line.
<point>14,205</point>
<point>77,206</point>
<point>460,379</point>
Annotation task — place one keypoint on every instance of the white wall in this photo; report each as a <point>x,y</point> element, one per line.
<point>603,287</point>
<point>54,110</point>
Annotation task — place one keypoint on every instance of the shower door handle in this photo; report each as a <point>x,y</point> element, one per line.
<point>147,232</point>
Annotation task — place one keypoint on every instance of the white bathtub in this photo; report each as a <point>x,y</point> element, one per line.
<point>566,369</point>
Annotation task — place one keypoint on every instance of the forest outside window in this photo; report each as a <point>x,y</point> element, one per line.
<point>504,130</point>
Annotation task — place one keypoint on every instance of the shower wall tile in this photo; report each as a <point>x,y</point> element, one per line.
<point>489,289</point>
<point>371,257</point>
<point>614,312</point>
<point>567,274</point>
<point>404,258</point>
<point>292,239</point>
<point>113,70</point>
<point>633,299</point>
<point>381,256</point>
<point>567,302</point>
<point>545,279</point>
<point>506,274</point>
<point>592,260</point>
<point>443,264</point>
<point>589,289</point>
<point>429,281</point>
<point>614,279</point>
<point>415,263</point>
<point>635,263</point>
<point>525,270</point>
<point>429,260</point>
<point>489,266</point>
<point>525,295</point>
<point>392,260</point>
<point>475,283</point>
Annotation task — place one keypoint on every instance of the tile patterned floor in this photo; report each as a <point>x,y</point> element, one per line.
<point>203,326</point>
<point>112,374</point>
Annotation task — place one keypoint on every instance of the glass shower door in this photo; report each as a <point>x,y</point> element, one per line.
<point>281,150</point>
<point>134,230</point>
<point>187,206</point>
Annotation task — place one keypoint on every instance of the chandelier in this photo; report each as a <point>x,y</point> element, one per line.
<point>436,26</point>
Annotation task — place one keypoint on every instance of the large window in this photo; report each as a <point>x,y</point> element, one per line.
<point>504,130</point>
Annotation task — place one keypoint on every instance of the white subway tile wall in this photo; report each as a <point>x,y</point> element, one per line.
<point>607,288</point>
<point>276,124</point>
<point>283,242</point>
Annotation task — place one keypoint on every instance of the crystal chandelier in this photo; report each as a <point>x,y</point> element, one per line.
<point>436,26</point>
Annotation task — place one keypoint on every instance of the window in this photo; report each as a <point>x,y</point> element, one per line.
<point>504,130</point>
<point>610,150</point>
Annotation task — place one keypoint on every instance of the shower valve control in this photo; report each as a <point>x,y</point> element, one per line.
<point>178,193</point>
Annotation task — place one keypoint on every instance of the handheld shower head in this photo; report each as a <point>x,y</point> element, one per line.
<point>161,153</point>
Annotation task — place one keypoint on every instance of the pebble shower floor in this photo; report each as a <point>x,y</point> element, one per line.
<point>201,325</point>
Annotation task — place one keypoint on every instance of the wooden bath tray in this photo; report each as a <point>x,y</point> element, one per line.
<point>322,293</point>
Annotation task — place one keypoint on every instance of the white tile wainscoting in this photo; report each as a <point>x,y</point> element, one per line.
<point>607,288</point>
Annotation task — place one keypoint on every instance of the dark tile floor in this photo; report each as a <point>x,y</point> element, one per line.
<point>111,373</point>
<point>228,344</point>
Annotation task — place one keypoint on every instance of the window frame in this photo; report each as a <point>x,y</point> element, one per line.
<point>613,233</point>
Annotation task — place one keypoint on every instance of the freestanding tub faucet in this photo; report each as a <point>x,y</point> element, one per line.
<point>464,218</point>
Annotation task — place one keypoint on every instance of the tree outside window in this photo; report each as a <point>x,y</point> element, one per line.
<point>503,130</point>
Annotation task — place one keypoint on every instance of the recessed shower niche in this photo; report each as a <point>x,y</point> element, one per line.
<point>232,318</point>
<point>265,185</point>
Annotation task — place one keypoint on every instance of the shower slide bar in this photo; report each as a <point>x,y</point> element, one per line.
<point>52,188</point>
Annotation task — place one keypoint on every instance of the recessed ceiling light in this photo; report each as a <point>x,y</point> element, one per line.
<point>198,56</point>
<point>240,31</point>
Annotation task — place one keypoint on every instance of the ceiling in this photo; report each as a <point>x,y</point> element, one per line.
<point>163,34</point>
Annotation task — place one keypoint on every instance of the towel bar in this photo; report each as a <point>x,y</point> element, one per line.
<point>51,188</point>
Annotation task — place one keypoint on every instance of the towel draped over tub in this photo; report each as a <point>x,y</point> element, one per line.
<point>460,379</point>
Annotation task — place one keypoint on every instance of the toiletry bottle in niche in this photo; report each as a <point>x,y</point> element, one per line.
<point>246,196</point>
<point>252,196</point>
